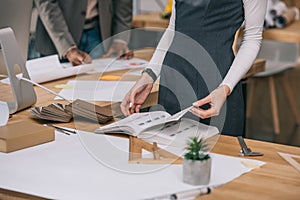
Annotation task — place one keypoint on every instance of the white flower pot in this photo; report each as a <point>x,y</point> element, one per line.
<point>196,172</point>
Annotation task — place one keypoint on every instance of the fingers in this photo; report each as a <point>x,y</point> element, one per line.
<point>135,98</point>
<point>128,106</point>
<point>76,61</point>
<point>215,99</point>
<point>87,59</point>
<point>128,54</point>
<point>125,106</point>
<point>203,101</point>
<point>204,114</point>
<point>138,108</point>
<point>77,57</point>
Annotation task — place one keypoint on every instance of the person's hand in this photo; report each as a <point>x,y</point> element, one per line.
<point>119,48</point>
<point>137,95</point>
<point>77,57</point>
<point>215,99</point>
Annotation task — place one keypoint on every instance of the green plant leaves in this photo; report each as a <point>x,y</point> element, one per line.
<point>196,150</point>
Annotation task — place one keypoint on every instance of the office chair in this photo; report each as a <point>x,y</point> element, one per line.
<point>280,58</point>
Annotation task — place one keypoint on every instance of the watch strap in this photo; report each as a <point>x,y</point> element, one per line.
<point>150,73</point>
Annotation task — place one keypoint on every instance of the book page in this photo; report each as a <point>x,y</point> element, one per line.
<point>136,123</point>
<point>177,133</point>
<point>139,122</point>
<point>178,115</point>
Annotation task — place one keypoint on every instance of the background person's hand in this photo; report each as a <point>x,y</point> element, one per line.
<point>215,99</point>
<point>77,57</point>
<point>119,48</point>
<point>137,95</point>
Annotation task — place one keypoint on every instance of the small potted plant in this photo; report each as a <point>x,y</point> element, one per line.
<point>196,163</point>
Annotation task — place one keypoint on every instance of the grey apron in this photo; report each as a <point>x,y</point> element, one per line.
<point>200,57</point>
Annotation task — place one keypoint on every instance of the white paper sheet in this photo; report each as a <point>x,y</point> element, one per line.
<point>111,64</point>
<point>91,166</point>
<point>135,72</point>
<point>97,90</point>
<point>4,113</point>
<point>49,68</point>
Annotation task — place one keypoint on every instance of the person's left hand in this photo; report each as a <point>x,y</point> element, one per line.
<point>215,99</point>
<point>121,49</point>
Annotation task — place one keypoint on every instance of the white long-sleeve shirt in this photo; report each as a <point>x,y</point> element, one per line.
<point>254,11</point>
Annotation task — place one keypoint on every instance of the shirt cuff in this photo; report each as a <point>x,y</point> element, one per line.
<point>67,51</point>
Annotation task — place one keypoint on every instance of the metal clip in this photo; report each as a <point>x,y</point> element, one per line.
<point>245,151</point>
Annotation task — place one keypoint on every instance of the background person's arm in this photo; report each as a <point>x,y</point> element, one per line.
<point>51,15</point>
<point>121,24</point>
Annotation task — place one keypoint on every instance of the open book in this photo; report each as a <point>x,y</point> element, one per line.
<point>161,127</point>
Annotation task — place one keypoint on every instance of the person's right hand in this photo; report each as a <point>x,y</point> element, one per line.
<point>77,57</point>
<point>137,95</point>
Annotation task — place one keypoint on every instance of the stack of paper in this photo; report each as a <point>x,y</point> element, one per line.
<point>90,111</point>
<point>53,112</point>
<point>64,113</point>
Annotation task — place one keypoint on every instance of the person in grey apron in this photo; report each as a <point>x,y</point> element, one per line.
<point>199,67</point>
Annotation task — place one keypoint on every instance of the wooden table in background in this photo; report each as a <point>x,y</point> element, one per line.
<point>291,33</point>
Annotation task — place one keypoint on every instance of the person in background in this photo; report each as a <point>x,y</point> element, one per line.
<point>212,24</point>
<point>74,28</point>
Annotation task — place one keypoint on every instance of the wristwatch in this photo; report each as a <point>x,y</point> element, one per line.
<point>150,73</point>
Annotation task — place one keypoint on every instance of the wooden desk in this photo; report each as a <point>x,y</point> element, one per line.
<point>275,180</point>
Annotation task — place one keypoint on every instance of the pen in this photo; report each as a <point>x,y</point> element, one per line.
<point>64,130</point>
<point>185,194</point>
<point>122,55</point>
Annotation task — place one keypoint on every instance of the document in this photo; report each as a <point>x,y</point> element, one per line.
<point>112,91</point>
<point>112,64</point>
<point>49,68</point>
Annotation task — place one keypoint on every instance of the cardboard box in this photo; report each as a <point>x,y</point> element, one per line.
<point>21,135</point>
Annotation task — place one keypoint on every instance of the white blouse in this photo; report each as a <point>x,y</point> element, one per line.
<point>254,11</point>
